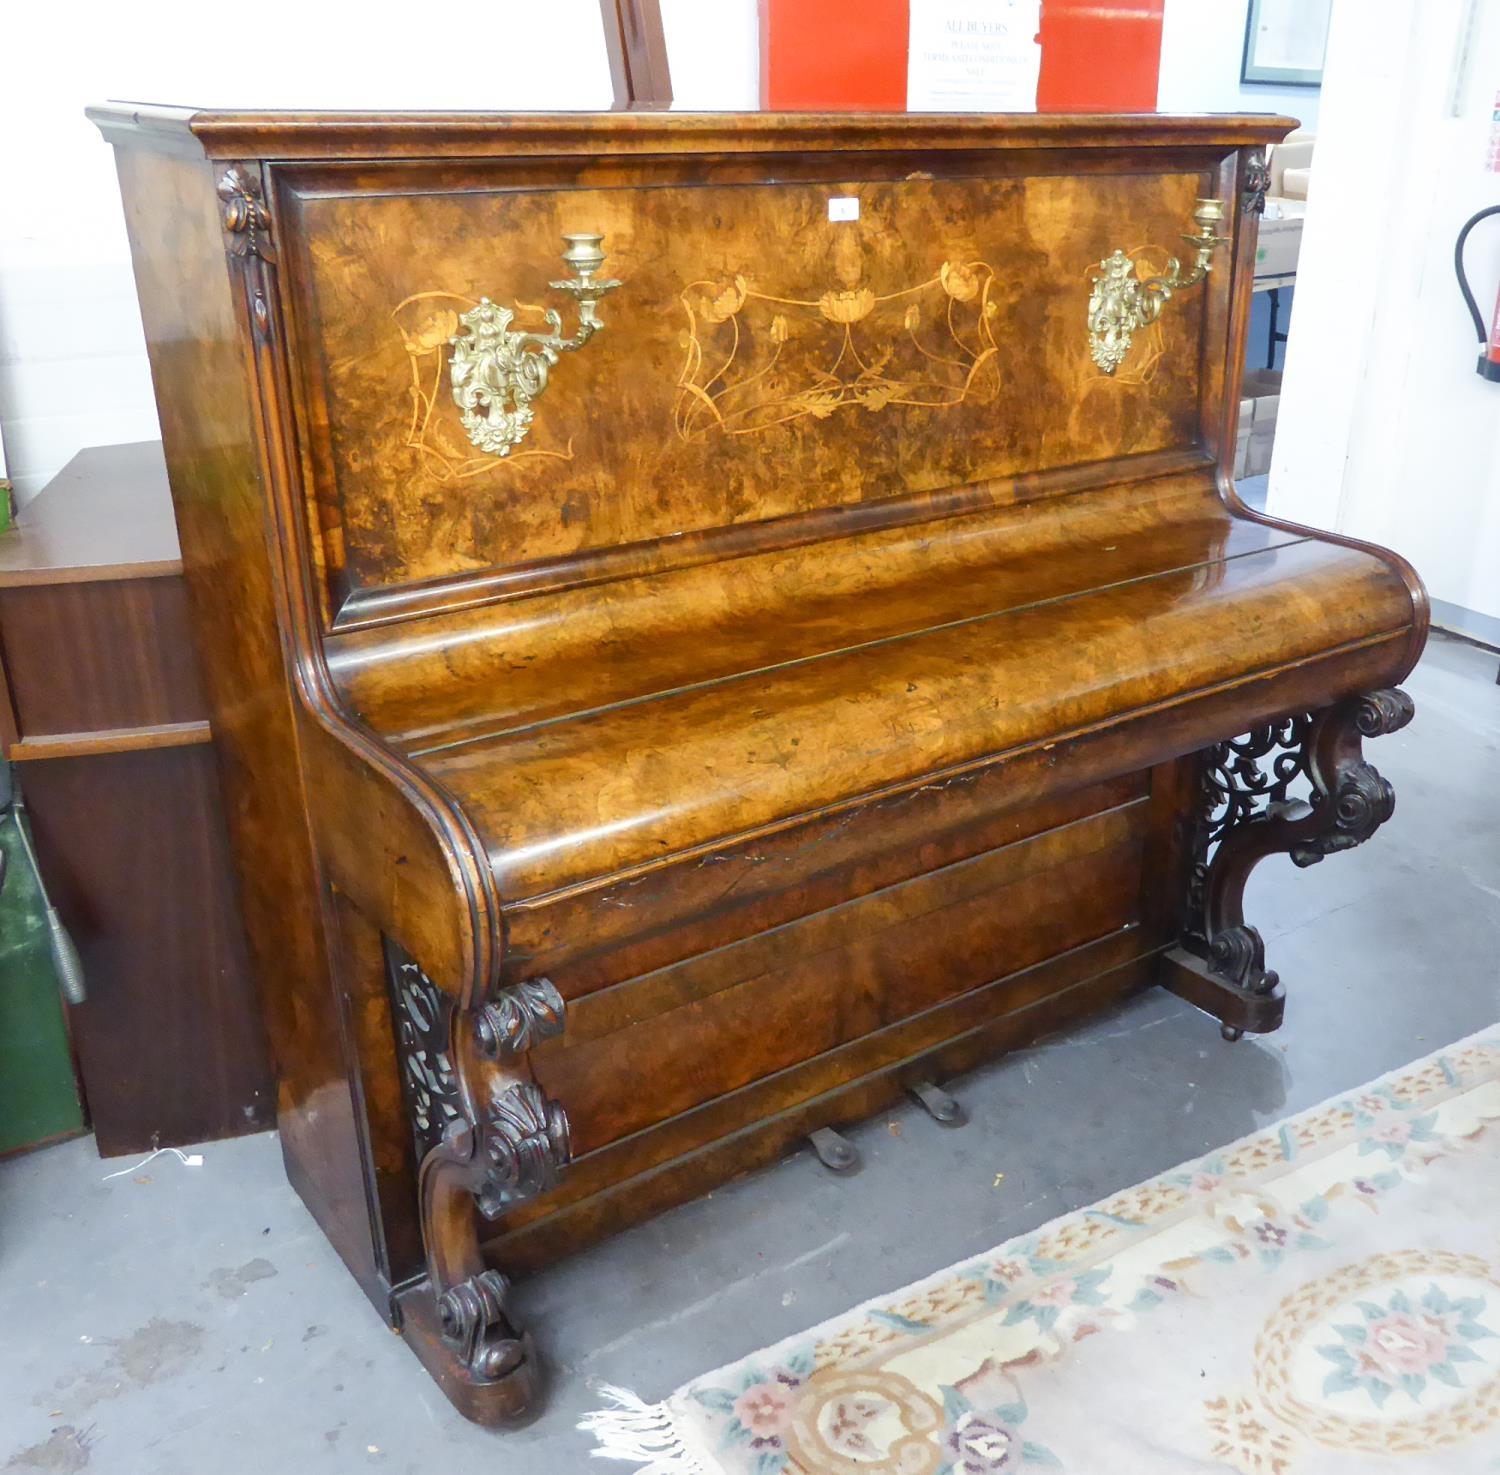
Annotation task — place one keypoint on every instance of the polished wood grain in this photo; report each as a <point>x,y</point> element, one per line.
<point>966,354</point>
<point>290,135</point>
<point>711,1026</point>
<point>762,732</point>
<point>491,668</point>
<point>652,1172</point>
<point>170,1044</point>
<point>775,745</point>
<point>210,442</point>
<point>111,740</point>
<point>106,515</point>
<point>101,653</point>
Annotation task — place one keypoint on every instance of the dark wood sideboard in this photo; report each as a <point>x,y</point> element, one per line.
<point>650,745</point>
<point>103,714</point>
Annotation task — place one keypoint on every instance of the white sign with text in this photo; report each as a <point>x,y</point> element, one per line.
<point>973,56</point>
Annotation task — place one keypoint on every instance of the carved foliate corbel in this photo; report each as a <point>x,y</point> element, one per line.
<point>487,1135</point>
<point>1250,805</point>
<point>519,1017</point>
<point>247,221</point>
<point>1257,182</point>
<point>522,1135</point>
<point>249,239</point>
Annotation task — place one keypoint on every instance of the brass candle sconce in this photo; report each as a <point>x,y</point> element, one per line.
<point>498,371</point>
<point>1121,302</point>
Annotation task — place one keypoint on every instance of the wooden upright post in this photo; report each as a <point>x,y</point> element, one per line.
<point>637,54</point>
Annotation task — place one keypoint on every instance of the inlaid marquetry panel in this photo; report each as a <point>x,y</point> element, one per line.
<point>759,360</point>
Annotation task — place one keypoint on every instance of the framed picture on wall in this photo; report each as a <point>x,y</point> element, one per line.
<point>1285,41</point>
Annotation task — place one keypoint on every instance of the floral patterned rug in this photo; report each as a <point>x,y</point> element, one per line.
<point>1320,1298</point>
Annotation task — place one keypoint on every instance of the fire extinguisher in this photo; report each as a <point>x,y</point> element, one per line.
<point>1489,357</point>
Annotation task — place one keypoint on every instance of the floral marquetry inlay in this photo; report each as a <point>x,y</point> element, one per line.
<point>756,358</point>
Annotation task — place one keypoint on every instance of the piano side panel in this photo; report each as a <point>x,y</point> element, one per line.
<point>178,250</point>
<point>759,360</point>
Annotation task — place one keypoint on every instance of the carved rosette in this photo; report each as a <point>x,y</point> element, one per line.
<point>1383,712</point>
<point>247,222</point>
<point>1257,182</point>
<point>523,1143</point>
<point>1359,806</point>
<point>1300,786</point>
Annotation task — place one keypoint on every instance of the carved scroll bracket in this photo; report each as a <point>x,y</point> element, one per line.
<point>450,1078</point>
<point>1122,303</point>
<point>1257,182</point>
<point>475,1321</point>
<point>1247,809</point>
<point>488,1136</point>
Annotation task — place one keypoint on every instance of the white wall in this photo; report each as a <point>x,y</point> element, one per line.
<point>713,51</point>
<point>1384,429</point>
<point>72,359</point>
<point>1202,48</point>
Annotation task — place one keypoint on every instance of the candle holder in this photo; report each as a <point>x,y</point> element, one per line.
<point>1121,303</point>
<point>497,372</point>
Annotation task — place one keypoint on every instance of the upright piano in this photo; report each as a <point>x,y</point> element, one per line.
<point>713,622</point>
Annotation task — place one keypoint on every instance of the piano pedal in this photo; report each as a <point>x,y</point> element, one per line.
<point>837,1153</point>
<point>938,1104</point>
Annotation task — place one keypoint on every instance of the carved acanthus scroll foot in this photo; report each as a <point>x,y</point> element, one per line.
<point>500,1142</point>
<point>1245,812</point>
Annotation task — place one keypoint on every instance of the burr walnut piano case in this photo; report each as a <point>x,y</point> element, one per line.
<point>677,696</point>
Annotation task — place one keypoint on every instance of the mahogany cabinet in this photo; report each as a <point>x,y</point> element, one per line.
<point>107,725</point>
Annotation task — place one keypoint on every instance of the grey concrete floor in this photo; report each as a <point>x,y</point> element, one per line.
<point>193,1319</point>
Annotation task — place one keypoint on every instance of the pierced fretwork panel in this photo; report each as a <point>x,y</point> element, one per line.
<point>423,1018</point>
<point>1263,772</point>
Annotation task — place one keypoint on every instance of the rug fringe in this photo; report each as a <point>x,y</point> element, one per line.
<point>643,1432</point>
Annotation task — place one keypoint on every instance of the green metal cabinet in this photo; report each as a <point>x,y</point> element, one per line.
<point>38,1092</point>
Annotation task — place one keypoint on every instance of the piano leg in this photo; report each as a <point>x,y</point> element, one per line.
<point>503,1142</point>
<point>457,1319</point>
<point>1245,812</point>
